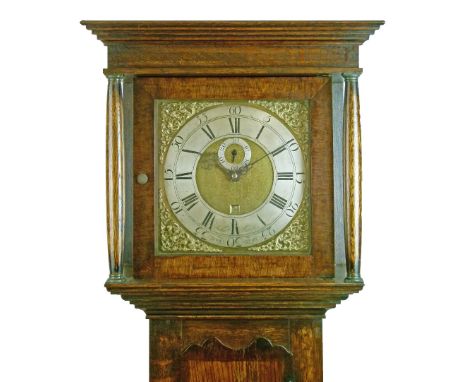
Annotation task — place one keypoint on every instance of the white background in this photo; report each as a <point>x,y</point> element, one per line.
<point>59,324</point>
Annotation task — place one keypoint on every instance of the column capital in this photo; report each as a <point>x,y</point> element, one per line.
<point>115,76</point>
<point>351,76</point>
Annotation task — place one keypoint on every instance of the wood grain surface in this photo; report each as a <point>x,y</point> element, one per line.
<point>213,361</point>
<point>352,178</point>
<point>228,31</point>
<point>306,342</point>
<point>193,351</point>
<point>235,299</point>
<point>165,350</point>
<point>221,48</point>
<point>115,179</point>
<point>235,318</point>
<point>321,261</point>
<point>236,334</point>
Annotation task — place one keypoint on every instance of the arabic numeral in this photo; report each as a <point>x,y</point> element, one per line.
<point>268,232</point>
<point>294,146</point>
<point>235,110</point>
<point>299,177</point>
<point>168,174</point>
<point>201,232</point>
<point>178,140</point>
<point>232,241</point>
<point>176,207</point>
<point>202,118</point>
<point>291,210</point>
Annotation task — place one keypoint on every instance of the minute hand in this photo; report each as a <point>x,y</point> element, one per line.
<point>274,152</point>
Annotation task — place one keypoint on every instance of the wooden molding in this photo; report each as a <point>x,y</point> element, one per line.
<point>227,48</point>
<point>295,299</point>
<point>207,71</point>
<point>213,344</point>
<point>325,32</point>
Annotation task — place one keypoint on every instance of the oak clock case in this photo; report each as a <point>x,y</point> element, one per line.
<point>234,190</point>
<point>232,176</point>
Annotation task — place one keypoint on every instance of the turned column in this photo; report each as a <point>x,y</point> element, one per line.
<point>115,180</point>
<point>352,177</point>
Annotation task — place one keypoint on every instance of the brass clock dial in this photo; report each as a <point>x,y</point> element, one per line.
<point>234,175</point>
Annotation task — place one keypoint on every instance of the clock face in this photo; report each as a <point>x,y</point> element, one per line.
<point>234,175</point>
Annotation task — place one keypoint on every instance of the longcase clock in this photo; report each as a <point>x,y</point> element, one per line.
<point>234,189</point>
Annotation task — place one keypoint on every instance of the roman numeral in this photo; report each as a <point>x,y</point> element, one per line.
<point>281,148</point>
<point>234,227</point>
<point>190,201</point>
<point>191,151</point>
<point>261,220</point>
<point>209,220</point>
<point>260,132</point>
<point>278,201</point>
<point>208,132</point>
<point>184,175</point>
<point>235,126</point>
<point>285,176</point>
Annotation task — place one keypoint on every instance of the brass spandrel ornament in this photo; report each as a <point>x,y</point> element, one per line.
<point>295,238</point>
<point>241,182</point>
<point>294,113</point>
<point>234,190</point>
<point>173,237</point>
<point>171,115</point>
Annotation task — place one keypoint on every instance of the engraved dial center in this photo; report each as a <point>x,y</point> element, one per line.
<point>233,196</point>
<point>234,154</point>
